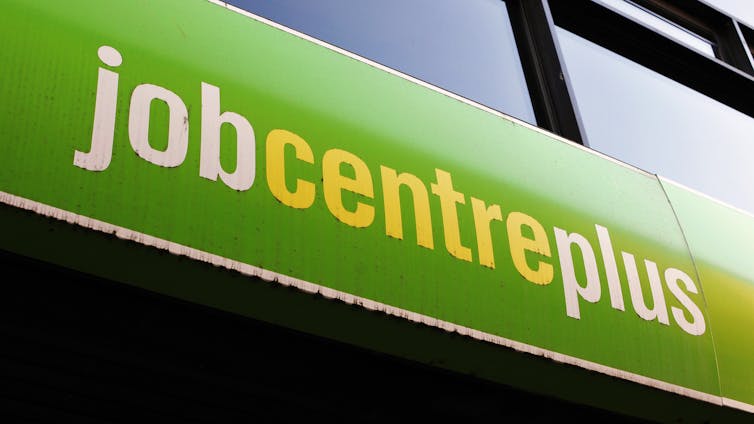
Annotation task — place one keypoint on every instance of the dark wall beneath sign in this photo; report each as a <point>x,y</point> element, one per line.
<point>84,349</point>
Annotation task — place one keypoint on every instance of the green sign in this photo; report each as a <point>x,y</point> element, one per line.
<point>189,126</point>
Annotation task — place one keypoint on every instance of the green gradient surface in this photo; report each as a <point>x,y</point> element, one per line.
<point>721,241</point>
<point>279,81</point>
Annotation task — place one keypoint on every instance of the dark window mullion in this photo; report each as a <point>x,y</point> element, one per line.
<point>707,22</point>
<point>747,38</point>
<point>740,48</point>
<point>731,47</point>
<point>533,29</point>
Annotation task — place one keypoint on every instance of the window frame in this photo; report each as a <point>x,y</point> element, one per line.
<point>723,81</point>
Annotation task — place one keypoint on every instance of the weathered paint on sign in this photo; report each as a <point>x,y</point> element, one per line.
<point>184,124</point>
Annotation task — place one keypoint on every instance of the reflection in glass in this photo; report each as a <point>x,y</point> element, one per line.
<point>643,118</point>
<point>463,46</point>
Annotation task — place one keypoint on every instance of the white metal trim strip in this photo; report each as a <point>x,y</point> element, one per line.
<point>305,286</point>
<point>738,405</point>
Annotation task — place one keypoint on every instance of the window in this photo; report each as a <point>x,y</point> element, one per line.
<point>660,24</point>
<point>466,47</point>
<point>651,99</point>
<point>665,85</point>
<point>650,121</point>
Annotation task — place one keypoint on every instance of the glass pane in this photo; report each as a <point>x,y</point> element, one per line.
<point>742,10</point>
<point>662,25</point>
<point>463,46</point>
<point>650,121</point>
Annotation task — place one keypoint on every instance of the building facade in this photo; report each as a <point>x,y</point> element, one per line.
<point>363,211</point>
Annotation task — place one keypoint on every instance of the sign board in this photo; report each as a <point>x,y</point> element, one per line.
<point>204,131</point>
